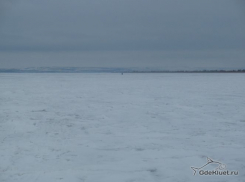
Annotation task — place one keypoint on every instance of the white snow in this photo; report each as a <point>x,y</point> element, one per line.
<point>120,128</point>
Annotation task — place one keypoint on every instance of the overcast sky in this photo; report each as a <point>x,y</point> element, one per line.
<point>167,34</point>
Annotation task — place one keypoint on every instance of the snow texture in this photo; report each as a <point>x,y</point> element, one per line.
<point>120,128</point>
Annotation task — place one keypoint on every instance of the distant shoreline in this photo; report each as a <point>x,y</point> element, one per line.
<point>109,70</point>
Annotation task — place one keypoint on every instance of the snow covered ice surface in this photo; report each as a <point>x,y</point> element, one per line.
<point>120,128</point>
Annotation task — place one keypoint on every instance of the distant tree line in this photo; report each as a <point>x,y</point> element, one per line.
<point>77,70</point>
<point>197,71</point>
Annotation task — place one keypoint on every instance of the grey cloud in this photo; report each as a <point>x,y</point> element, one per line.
<point>75,32</point>
<point>123,25</point>
<point>169,60</point>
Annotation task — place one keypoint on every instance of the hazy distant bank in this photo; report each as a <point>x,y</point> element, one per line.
<point>109,70</point>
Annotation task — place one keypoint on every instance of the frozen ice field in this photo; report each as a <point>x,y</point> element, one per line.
<point>121,128</point>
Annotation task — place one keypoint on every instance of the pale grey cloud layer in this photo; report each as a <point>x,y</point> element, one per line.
<point>177,34</point>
